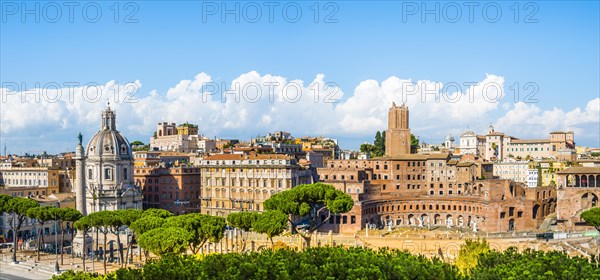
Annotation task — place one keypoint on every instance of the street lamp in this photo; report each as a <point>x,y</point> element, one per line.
<point>56,268</point>
<point>15,236</point>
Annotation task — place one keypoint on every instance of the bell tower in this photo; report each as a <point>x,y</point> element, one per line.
<point>397,136</point>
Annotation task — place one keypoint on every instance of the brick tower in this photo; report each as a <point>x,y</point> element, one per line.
<point>397,136</point>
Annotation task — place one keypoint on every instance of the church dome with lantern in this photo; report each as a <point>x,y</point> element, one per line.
<point>109,182</point>
<point>108,142</point>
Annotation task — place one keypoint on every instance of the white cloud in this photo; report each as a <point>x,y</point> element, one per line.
<point>366,111</point>
<point>256,104</point>
<point>528,120</point>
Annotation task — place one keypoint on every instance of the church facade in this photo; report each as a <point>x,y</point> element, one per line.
<point>105,172</point>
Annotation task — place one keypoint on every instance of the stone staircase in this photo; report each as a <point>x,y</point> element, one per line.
<point>589,246</point>
<point>40,270</point>
<point>548,223</point>
<point>570,248</point>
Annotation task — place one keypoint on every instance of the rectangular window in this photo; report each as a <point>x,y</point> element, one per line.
<point>353,219</point>
<point>107,174</point>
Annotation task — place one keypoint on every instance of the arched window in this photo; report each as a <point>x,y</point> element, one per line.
<point>536,209</point>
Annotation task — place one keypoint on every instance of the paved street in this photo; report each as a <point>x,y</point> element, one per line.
<point>4,275</point>
<point>22,271</point>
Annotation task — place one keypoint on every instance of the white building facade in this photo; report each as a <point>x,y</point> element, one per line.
<point>517,171</point>
<point>108,182</point>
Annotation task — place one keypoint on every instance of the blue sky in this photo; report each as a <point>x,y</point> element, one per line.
<point>169,42</point>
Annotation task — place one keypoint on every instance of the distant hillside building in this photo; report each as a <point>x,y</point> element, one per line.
<point>183,138</point>
<point>497,146</point>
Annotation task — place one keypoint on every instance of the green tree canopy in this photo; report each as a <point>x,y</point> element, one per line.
<point>414,141</point>
<point>156,212</point>
<point>84,224</point>
<point>378,144</point>
<point>4,203</point>
<point>42,214</point>
<point>312,263</point>
<point>242,220</point>
<point>196,225</point>
<point>469,252</point>
<point>104,221</point>
<point>128,216</point>
<point>592,217</point>
<point>115,221</point>
<point>271,223</point>
<point>530,264</point>
<point>308,202</point>
<point>367,148</point>
<point>19,206</point>
<point>146,223</point>
<point>165,240</point>
<point>66,215</point>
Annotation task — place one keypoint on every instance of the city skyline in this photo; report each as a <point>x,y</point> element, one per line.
<point>386,139</point>
<point>544,59</point>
